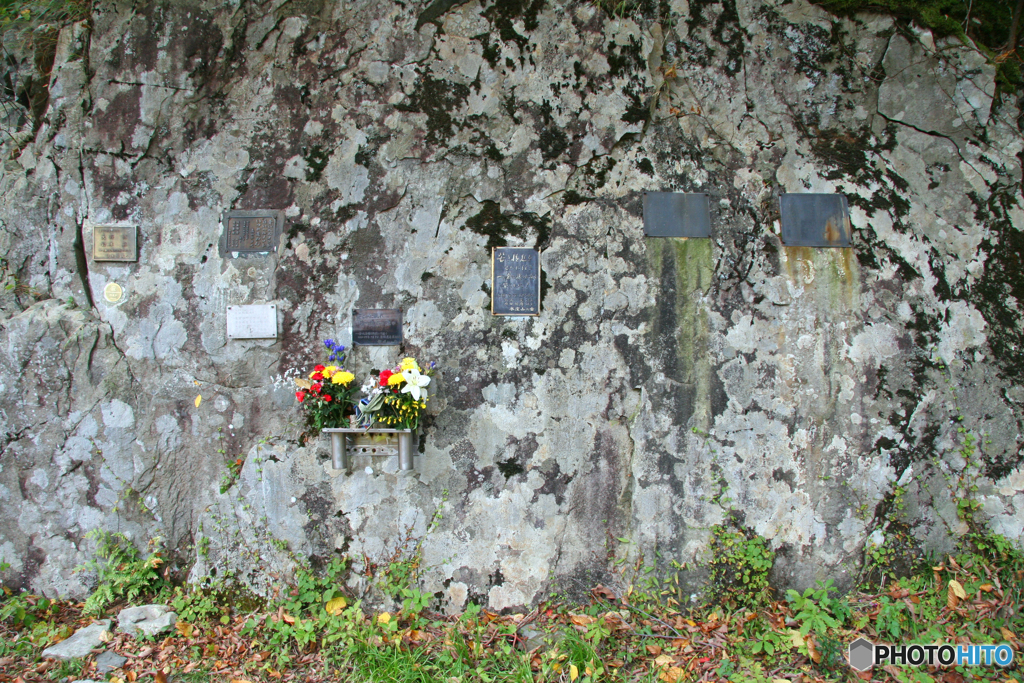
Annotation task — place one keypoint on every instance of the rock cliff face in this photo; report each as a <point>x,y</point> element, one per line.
<point>824,399</point>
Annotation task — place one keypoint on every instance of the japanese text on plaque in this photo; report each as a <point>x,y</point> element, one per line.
<point>251,233</point>
<point>516,285</point>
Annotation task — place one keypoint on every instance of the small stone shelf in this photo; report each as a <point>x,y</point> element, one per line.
<point>344,443</point>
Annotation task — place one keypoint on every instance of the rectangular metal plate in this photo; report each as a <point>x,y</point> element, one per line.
<point>256,321</point>
<point>251,232</point>
<point>515,281</point>
<point>674,214</point>
<point>377,327</point>
<point>115,243</point>
<point>815,220</point>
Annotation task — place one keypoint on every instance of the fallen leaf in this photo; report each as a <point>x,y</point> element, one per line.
<point>582,619</point>
<point>672,675</point>
<point>955,593</point>
<point>663,660</point>
<point>603,592</point>
<point>383,618</point>
<point>239,680</point>
<point>115,679</point>
<point>987,587</point>
<point>106,636</point>
<point>654,650</point>
<point>574,672</point>
<point>184,629</point>
<point>1007,633</point>
<point>303,383</point>
<point>199,399</point>
<point>812,649</point>
<point>288,619</point>
<point>160,677</point>
<point>335,606</point>
<point>131,676</point>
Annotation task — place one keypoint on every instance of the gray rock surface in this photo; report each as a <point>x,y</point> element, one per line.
<point>109,661</point>
<point>81,644</point>
<point>813,397</point>
<point>150,620</point>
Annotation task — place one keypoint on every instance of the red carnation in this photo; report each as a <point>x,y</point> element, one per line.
<point>319,368</point>
<point>317,376</point>
<point>301,395</point>
<point>316,388</point>
<point>384,377</point>
<point>327,397</point>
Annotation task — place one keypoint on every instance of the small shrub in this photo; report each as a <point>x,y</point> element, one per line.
<point>740,562</point>
<point>121,571</point>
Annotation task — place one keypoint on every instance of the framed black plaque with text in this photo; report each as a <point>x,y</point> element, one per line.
<point>376,327</point>
<point>515,281</point>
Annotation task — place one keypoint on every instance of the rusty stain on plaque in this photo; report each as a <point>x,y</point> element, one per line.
<point>251,232</point>
<point>114,243</point>
<point>815,220</point>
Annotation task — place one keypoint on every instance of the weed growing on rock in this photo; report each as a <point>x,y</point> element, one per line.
<point>121,571</point>
<point>739,564</point>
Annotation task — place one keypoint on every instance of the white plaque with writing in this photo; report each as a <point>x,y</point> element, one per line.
<point>256,321</point>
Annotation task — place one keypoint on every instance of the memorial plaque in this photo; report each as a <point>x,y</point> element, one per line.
<point>377,327</point>
<point>257,321</point>
<point>515,281</point>
<point>251,232</point>
<point>815,220</point>
<point>674,214</point>
<point>114,243</point>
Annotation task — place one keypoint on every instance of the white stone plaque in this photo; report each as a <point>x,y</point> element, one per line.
<point>256,321</point>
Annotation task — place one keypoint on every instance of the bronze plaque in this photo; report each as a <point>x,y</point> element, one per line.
<point>515,281</point>
<point>251,232</point>
<point>114,243</point>
<point>377,327</point>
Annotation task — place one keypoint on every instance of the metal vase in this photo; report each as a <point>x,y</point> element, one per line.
<point>339,454</point>
<point>405,450</point>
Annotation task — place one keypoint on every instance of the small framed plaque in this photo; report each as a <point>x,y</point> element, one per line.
<point>674,214</point>
<point>115,243</point>
<point>256,321</point>
<point>815,220</point>
<point>515,281</point>
<point>376,327</point>
<point>251,232</point>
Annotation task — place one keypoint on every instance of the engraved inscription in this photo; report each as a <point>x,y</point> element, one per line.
<point>251,233</point>
<point>114,243</point>
<point>256,321</point>
<point>377,327</point>
<point>515,284</point>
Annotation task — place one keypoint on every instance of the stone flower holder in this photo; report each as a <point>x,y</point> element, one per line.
<point>345,441</point>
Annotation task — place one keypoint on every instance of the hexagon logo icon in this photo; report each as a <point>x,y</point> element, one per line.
<point>862,654</point>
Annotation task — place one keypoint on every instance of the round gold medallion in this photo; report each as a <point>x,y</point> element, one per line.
<point>113,292</point>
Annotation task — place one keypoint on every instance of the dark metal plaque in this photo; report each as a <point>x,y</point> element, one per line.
<point>674,214</point>
<point>114,243</point>
<point>251,232</point>
<point>377,327</point>
<point>515,281</point>
<point>815,220</point>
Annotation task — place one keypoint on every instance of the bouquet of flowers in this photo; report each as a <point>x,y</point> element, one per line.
<point>329,393</point>
<point>396,397</point>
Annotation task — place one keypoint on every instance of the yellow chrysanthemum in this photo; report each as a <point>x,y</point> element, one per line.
<point>410,364</point>
<point>342,377</point>
<point>395,379</point>
<point>330,370</point>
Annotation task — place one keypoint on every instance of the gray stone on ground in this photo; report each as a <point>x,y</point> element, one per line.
<point>80,644</point>
<point>108,661</point>
<point>149,619</point>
